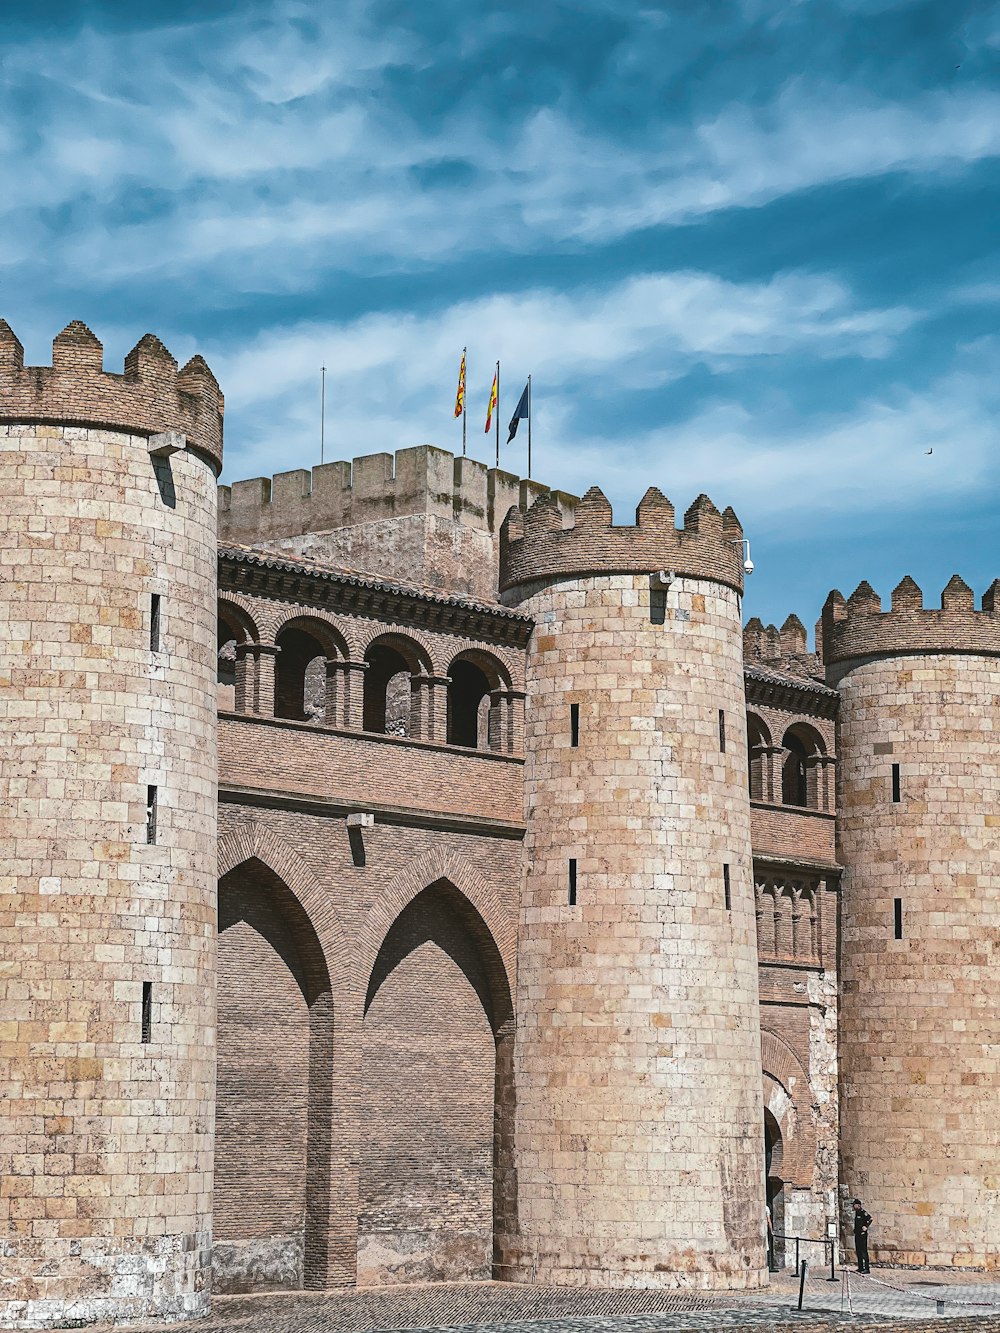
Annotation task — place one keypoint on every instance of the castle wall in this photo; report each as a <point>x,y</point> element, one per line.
<point>918,1025</point>
<point>106,1135</point>
<point>638,1064</point>
<point>422,516</point>
<point>422,549</point>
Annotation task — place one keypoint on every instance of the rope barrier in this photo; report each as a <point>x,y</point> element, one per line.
<point>909,1291</point>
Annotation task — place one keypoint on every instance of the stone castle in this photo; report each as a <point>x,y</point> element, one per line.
<point>413,874</point>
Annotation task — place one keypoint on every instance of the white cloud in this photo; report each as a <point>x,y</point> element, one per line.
<point>277,152</point>
<point>391,383</point>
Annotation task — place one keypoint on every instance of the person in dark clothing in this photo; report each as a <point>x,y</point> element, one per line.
<point>862,1221</point>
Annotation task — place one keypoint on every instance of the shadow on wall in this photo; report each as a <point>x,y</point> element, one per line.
<point>273,1116</point>
<point>435,1048</point>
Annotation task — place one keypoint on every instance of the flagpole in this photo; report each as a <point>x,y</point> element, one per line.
<point>498,414</point>
<point>464,397</point>
<point>529,427</point>
<point>322,412</point>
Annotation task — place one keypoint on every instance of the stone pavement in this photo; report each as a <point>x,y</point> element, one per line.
<point>886,1301</point>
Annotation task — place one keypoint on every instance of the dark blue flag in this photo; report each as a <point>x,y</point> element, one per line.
<point>520,413</point>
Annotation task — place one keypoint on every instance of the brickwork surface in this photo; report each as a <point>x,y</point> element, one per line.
<point>105,1139</point>
<point>919,1030</point>
<point>638,1061</point>
<point>384,966</point>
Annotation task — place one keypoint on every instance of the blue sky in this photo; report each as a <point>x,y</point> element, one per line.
<point>744,247</point>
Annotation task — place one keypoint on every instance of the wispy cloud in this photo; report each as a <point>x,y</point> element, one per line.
<point>289,139</point>
<point>596,344</point>
<point>736,244</point>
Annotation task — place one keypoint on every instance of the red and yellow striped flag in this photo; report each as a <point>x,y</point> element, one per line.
<point>460,396</point>
<point>493,403</point>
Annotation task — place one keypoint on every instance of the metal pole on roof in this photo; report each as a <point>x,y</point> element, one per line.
<point>322,412</point>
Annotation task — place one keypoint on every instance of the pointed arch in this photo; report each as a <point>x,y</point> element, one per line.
<point>250,841</point>
<point>412,880</point>
<point>787,1098</point>
<point>437,1182</point>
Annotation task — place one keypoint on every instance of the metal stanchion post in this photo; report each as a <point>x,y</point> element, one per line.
<point>802,1280</point>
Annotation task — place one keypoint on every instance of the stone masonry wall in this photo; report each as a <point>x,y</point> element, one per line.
<point>639,1113</point>
<point>106,1133</point>
<point>919,1028</point>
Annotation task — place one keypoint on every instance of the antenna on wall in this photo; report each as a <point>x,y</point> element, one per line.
<point>322,411</point>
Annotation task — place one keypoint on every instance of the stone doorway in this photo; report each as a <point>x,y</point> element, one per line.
<point>773,1152</point>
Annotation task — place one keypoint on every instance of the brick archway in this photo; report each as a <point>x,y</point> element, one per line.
<point>252,841</point>
<point>418,875</point>
<point>786,1097</point>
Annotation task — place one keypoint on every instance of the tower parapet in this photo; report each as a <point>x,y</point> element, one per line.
<point>372,488</point>
<point>558,535</point>
<point>421,515</point>
<point>151,396</point>
<point>858,627</point>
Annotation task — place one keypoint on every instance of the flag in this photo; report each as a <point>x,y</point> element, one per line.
<point>493,403</point>
<point>520,413</point>
<point>460,396</point>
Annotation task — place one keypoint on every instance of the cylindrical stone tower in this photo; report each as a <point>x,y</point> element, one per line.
<point>639,1135</point>
<point>108,830</point>
<point>919,835</point>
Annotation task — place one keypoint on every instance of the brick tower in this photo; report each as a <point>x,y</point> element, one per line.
<point>920,842</point>
<point>108,822</point>
<point>639,1114</point>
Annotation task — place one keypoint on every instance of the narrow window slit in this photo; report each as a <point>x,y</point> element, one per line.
<point>147,1011</point>
<point>897,917</point>
<point>150,814</point>
<point>722,730</point>
<point>895,783</point>
<point>154,623</point>
<point>727,887</point>
<point>572,881</point>
<point>574,725</point>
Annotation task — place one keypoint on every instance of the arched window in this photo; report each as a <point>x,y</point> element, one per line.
<point>793,772</point>
<point>233,688</point>
<point>803,747</point>
<point>473,713</point>
<point>758,747</point>
<point>225,694</point>
<point>300,676</point>
<point>468,707</point>
<point>388,703</point>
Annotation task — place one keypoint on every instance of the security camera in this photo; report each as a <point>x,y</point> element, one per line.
<point>748,566</point>
<point>747,562</point>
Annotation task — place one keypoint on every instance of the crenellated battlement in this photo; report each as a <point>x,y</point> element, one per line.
<point>557,535</point>
<point>767,643</point>
<point>151,396</point>
<point>858,627</point>
<point>372,488</point>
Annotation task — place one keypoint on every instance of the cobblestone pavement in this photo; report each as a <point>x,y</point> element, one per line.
<point>887,1300</point>
<point>900,1293</point>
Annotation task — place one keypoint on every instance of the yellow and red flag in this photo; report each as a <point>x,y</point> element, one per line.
<point>460,396</point>
<point>493,403</point>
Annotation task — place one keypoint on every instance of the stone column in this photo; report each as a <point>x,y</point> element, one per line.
<point>262,673</point>
<point>345,694</point>
<point>245,679</point>
<point>429,715</point>
<point>506,721</point>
